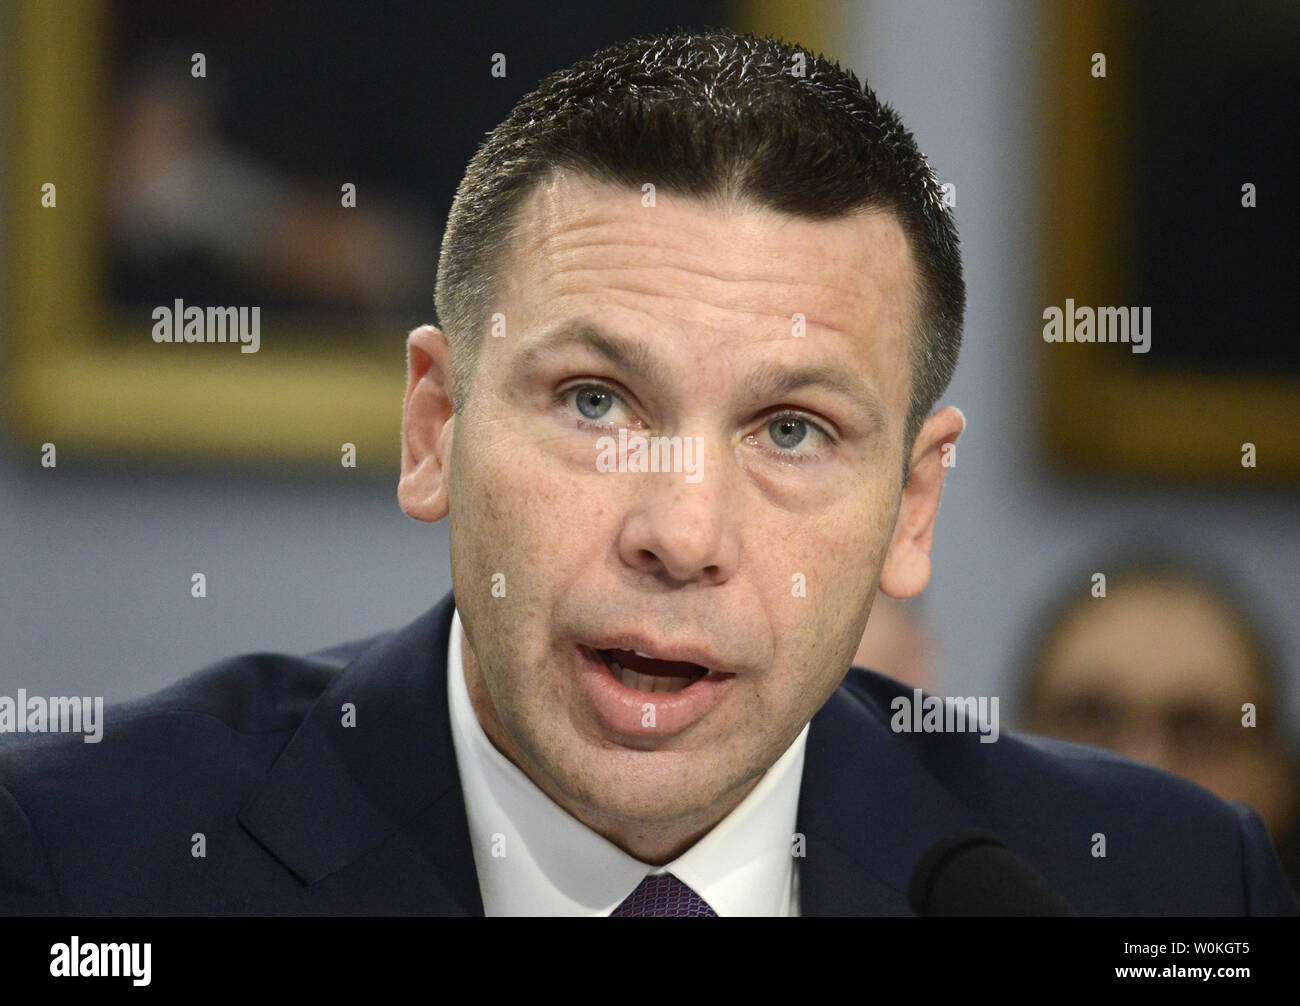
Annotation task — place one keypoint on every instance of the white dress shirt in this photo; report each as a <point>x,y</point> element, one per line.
<point>534,858</point>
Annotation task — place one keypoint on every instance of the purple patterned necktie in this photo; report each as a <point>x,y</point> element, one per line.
<point>661,895</point>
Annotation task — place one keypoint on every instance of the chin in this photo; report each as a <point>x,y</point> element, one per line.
<point>654,787</point>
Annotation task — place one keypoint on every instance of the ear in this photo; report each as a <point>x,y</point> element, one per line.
<point>907,564</point>
<point>427,422</point>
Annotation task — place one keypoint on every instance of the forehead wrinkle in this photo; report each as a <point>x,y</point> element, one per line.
<point>561,270</point>
<point>651,251</point>
<point>555,229</point>
<point>571,280</point>
<point>550,223</point>
<point>667,247</point>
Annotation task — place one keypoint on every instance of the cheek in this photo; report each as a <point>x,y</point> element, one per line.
<point>525,517</point>
<point>840,559</point>
<point>486,561</point>
<point>845,547</point>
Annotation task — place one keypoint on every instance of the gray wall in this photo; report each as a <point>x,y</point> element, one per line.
<point>95,591</point>
<point>95,562</point>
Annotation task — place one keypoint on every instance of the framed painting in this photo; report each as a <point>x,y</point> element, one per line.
<point>1169,349</point>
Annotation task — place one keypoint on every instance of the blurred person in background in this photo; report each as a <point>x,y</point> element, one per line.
<point>1171,667</point>
<point>898,643</point>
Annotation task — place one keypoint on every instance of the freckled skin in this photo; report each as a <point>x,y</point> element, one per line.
<point>711,291</point>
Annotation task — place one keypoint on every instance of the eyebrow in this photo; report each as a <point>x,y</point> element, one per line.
<point>772,380</point>
<point>634,357</point>
<point>768,380</point>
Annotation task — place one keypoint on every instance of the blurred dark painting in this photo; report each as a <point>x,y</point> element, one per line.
<point>228,188</point>
<point>1218,108</point>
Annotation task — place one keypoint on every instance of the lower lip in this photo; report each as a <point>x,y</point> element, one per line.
<point>627,710</point>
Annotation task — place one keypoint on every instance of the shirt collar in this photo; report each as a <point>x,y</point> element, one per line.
<point>534,858</point>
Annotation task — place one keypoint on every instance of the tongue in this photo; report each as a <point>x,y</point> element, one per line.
<point>660,668</point>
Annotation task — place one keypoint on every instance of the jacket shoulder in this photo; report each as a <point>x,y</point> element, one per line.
<point>176,763</point>
<point>248,695</point>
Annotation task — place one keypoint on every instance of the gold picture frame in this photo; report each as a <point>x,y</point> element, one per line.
<point>1102,415</point>
<point>94,383</point>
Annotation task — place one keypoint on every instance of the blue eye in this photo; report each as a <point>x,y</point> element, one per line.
<point>593,403</point>
<point>788,432</point>
<point>593,397</point>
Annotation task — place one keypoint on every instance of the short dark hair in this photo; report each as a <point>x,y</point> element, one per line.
<point>713,114</point>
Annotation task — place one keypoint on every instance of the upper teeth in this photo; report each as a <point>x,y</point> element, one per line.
<point>647,682</point>
<point>640,654</point>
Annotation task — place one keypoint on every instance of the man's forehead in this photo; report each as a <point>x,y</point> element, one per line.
<point>769,275</point>
<point>571,212</point>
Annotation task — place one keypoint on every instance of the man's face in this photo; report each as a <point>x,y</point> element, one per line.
<point>761,565</point>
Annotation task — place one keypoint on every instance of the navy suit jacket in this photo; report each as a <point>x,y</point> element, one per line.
<point>301,815</point>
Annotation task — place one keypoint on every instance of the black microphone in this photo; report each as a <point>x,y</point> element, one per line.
<point>972,873</point>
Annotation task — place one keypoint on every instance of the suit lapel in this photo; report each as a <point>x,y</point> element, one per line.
<point>867,807</point>
<point>386,787</point>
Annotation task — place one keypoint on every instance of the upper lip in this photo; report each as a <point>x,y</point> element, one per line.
<point>685,652</point>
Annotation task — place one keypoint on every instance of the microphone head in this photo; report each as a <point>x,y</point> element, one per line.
<point>972,873</point>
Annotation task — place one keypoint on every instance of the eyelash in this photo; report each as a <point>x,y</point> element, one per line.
<point>563,397</point>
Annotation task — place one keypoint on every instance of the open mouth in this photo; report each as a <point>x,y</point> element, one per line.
<point>647,674</point>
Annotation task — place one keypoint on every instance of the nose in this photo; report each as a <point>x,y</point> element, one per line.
<point>1144,743</point>
<point>681,530</point>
